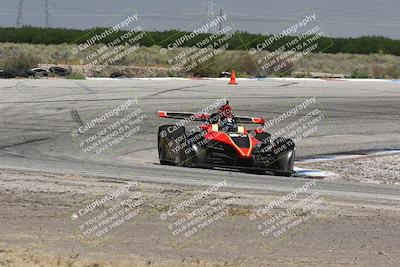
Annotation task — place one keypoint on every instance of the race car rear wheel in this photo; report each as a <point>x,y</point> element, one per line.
<point>170,145</point>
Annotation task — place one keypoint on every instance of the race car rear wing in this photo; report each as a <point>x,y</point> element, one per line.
<point>184,115</point>
<point>204,117</point>
<point>241,119</point>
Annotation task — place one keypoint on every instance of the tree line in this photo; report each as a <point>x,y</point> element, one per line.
<point>239,41</point>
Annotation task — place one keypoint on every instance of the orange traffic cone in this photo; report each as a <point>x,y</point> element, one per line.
<point>233,78</point>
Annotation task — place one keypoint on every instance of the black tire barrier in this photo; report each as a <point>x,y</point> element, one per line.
<point>119,75</point>
<point>5,74</point>
<point>40,72</point>
<point>59,71</point>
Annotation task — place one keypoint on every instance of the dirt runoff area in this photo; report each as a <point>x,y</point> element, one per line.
<point>50,219</point>
<point>383,169</point>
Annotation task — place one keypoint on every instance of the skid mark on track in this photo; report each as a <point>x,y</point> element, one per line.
<point>65,100</point>
<point>76,117</point>
<point>287,84</point>
<point>174,98</point>
<point>19,85</point>
<point>83,86</point>
<point>172,90</point>
<point>25,142</point>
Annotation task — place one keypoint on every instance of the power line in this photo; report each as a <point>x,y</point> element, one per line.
<point>47,11</point>
<point>210,11</point>
<point>20,10</point>
<point>221,13</point>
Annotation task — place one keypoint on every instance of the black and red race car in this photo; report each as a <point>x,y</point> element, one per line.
<point>222,141</point>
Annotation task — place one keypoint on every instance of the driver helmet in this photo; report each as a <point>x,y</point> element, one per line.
<point>226,110</point>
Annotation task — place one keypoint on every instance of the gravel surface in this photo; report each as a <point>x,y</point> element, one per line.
<point>36,209</point>
<point>378,169</point>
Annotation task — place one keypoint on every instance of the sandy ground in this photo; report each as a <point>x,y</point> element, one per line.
<point>39,225</point>
<point>368,169</point>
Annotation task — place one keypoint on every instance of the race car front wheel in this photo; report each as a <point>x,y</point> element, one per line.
<point>285,163</point>
<point>285,151</point>
<point>171,145</point>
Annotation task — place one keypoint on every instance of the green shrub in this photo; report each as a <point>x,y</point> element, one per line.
<point>358,74</point>
<point>378,72</point>
<point>75,76</point>
<point>393,71</point>
<point>302,74</point>
<point>20,60</point>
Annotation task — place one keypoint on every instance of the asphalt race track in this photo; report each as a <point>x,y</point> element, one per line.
<point>38,117</point>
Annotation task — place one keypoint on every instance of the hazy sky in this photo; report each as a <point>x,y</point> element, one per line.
<point>338,17</point>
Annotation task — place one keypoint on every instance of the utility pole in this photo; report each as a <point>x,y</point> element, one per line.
<point>20,10</point>
<point>210,11</point>
<point>221,13</point>
<point>47,11</point>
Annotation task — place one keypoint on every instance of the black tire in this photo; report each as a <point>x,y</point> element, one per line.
<point>282,145</point>
<point>199,158</point>
<point>284,174</point>
<point>59,71</point>
<point>285,152</point>
<point>169,152</point>
<point>5,74</point>
<point>285,163</point>
<point>39,72</point>
<point>225,74</point>
<point>23,73</point>
<point>29,73</point>
<point>118,75</point>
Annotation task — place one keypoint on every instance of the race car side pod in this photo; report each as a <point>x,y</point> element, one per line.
<point>233,78</point>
